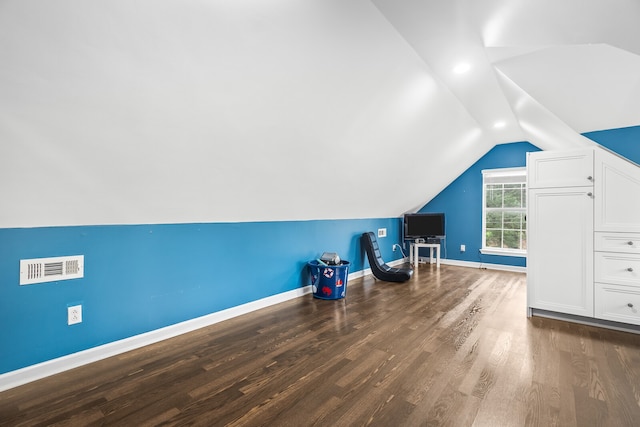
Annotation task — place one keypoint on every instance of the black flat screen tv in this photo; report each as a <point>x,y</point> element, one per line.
<point>423,225</point>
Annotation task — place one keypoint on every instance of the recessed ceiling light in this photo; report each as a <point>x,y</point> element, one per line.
<point>499,125</point>
<point>461,68</point>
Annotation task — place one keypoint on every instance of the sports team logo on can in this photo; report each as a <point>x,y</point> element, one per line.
<point>328,273</point>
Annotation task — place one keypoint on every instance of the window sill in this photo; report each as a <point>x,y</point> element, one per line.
<point>503,252</point>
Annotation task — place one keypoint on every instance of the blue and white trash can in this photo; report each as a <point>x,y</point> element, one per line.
<point>329,281</point>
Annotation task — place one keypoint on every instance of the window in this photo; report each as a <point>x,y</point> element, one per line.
<point>504,198</point>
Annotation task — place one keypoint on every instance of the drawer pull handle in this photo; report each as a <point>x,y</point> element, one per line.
<point>630,269</point>
<point>590,194</point>
<point>630,305</point>
<point>630,243</point>
<point>590,178</point>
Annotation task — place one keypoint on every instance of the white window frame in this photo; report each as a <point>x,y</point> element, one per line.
<point>519,176</point>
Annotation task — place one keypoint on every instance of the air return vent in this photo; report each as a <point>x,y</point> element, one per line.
<point>42,270</point>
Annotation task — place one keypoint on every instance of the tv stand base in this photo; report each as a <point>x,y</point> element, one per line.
<point>414,251</point>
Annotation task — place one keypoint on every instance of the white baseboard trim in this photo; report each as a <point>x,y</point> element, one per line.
<point>367,271</point>
<point>488,266</point>
<point>599,323</point>
<point>54,366</point>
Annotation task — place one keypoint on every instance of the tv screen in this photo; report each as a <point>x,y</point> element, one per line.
<point>423,225</point>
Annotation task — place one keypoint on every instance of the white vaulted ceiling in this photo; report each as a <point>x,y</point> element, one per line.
<point>546,69</point>
<point>154,111</point>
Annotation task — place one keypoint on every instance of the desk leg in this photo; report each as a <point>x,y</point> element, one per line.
<point>438,256</point>
<point>431,248</point>
<point>410,253</point>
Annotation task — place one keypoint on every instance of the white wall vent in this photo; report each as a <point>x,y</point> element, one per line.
<point>42,270</point>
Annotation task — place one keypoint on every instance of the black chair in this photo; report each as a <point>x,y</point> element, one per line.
<point>378,267</point>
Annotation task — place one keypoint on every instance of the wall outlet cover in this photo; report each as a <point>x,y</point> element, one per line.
<point>74,314</point>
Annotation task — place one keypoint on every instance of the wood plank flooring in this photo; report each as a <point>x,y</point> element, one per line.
<point>451,347</point>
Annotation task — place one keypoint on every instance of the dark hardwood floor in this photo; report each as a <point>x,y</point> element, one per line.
<point>451,347</point>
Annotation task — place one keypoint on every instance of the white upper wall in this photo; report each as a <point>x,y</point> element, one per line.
<point>168,111</point>
<point>189,111</point>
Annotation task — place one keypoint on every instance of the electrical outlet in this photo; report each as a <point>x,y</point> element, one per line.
<point>382,232</point>
<point>463,248</point>
<point>74,314</point>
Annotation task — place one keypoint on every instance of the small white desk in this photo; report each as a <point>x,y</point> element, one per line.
<point>414,250</point>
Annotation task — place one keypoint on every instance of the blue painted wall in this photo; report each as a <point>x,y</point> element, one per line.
<point>461,202</point>
<point>624,141</point>
<point>143,277</point>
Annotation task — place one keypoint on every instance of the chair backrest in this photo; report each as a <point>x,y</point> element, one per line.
<point>378,267</point>
<point>372,242</point>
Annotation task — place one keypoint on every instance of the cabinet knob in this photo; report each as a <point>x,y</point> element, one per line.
<point>590,178</point>
<point>630,243</point>
<point>630,305</point>
<point>629,269</point>
<point>590,194</point>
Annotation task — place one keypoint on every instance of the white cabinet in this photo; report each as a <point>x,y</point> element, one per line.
<point>618,303</point>
<point>618,242</point>
<point>584,235</point>
<point>550,169</point>
<point>617,277</point>
<point>616,268</point>
<point>560,250</point>
<point>617,205</point>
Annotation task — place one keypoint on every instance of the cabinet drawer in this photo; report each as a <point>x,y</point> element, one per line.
<point>618,242</point>
<point>617,303</point>
<point>620,269</point>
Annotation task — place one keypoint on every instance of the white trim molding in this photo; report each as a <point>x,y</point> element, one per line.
<point>54,366</point>
<point>504,252</point>
<point>488,266</point>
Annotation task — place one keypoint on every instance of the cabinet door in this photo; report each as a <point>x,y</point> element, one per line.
<point>549,169</point>
<point>560,250</point>
<point>617,194</point>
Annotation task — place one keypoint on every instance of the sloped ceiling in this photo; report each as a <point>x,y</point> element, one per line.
<point>544,69</point>
<point>168,111</point>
